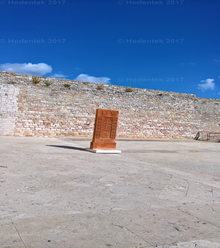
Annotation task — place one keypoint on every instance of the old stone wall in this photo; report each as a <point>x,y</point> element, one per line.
<point>8,108</point>
<point>52,111</point>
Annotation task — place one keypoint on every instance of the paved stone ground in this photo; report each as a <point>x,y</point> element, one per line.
<point>53,194</point>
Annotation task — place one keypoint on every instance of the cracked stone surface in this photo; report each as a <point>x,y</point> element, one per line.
<point>154,194</point>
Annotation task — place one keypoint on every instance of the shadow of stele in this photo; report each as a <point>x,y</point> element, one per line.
<point>69,147</point>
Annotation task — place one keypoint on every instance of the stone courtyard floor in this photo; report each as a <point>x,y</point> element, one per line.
<point>53,194</point>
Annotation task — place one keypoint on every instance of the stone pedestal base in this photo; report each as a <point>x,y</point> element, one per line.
<point>102,145</point>
<point>104,151</point>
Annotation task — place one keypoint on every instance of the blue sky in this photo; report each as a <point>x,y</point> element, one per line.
<point>161,45</point>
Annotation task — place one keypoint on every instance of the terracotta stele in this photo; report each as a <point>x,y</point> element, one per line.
<point>105,128</point>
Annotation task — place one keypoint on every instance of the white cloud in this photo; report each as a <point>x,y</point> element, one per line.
<point>208,84</point>
<point>27,68</point>
<point>91,79</point>
<point>217,60</point>
<point>56,75</point>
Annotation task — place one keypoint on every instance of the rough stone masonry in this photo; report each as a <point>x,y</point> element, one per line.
<point>28,109</point>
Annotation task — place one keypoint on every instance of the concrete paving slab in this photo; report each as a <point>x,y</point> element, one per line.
<point>210,213</point>
<point>170,224</point>
<point>9,235</point>
<point>154,194</point>
<point>193,244</point>
<point>80,230</point>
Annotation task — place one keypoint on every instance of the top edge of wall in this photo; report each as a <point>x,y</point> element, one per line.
<point>19,77</point>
